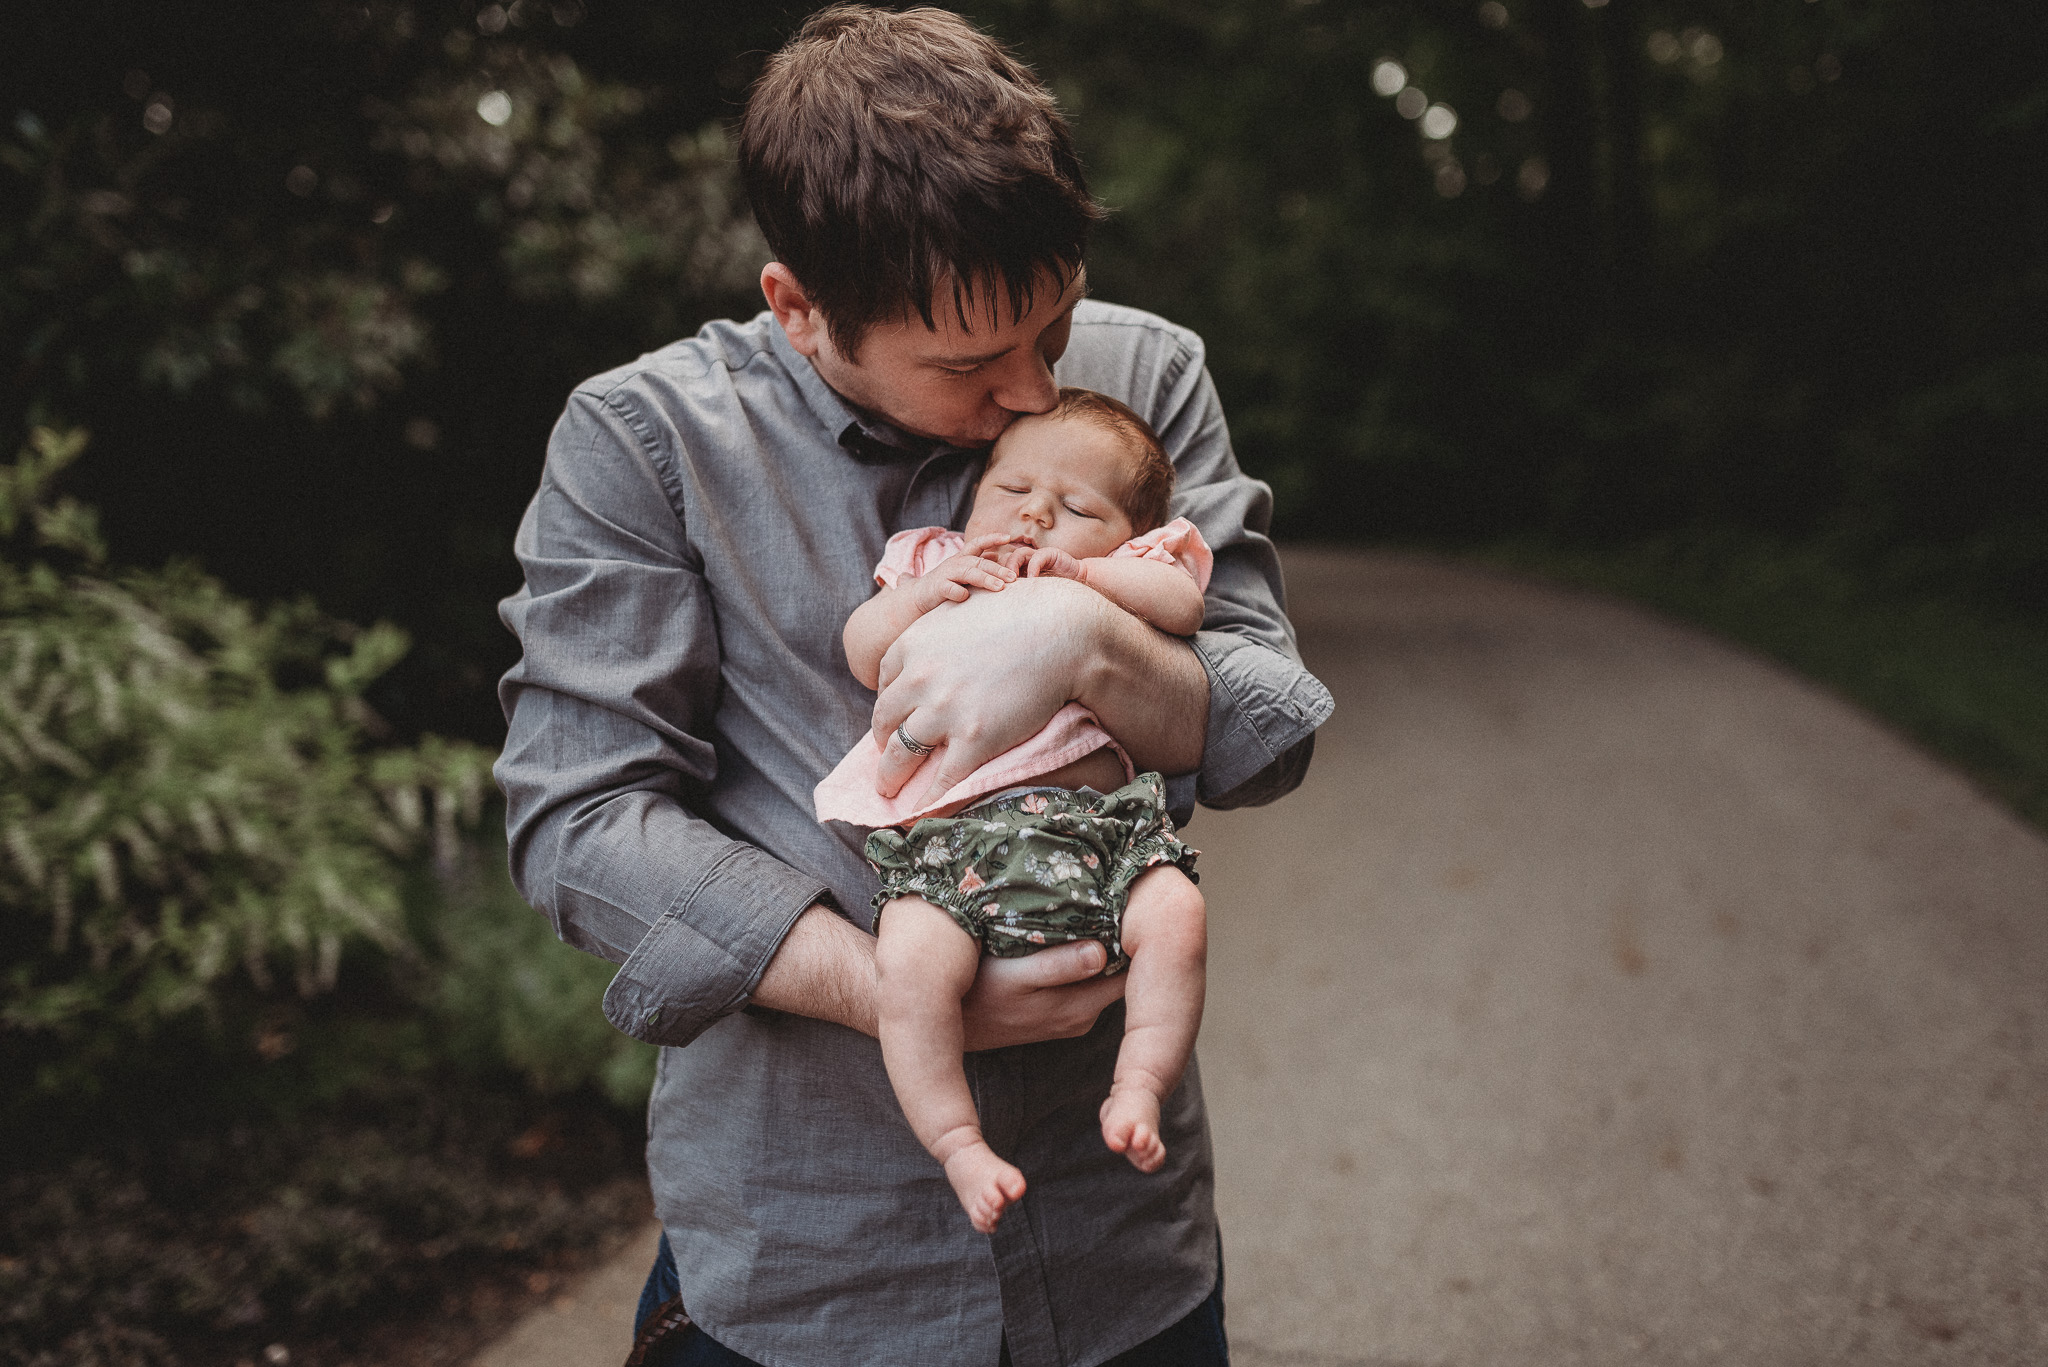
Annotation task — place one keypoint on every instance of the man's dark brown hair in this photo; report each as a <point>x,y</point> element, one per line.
<point>892,155</point>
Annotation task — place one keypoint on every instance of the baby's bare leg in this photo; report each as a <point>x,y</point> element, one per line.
<point>924,964</point>
<point>1166,935</point>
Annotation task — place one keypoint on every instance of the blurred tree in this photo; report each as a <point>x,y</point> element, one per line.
<point>1676,264</point>
<point>319,275</point>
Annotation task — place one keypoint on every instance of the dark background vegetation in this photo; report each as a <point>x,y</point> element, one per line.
<point>1739,306</point>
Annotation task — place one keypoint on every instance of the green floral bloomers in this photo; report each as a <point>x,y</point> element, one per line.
<point>1035,867</point>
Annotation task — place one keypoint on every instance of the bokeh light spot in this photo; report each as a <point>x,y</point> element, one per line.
<point>1439,121</point>
<point>156,116</point>
<point>1493,14</point>
<point>491,19</point>
<point>301,181</point>
<point>1663,46</point>
<point>1828,67</point>
<point>494,107</point>
<point>135,85</point>
<point>1388,78</point>
<point>1450,180</point>
<point>1410,103</point>
<point>1514,106</point>
<point>1702,46</point>
<point>1532,178</point>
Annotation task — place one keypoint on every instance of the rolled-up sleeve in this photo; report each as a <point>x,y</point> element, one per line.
<point>608,714</point>
<point>1264,705</point>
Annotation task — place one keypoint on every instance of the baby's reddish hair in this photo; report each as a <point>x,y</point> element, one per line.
<point>1150,490</point>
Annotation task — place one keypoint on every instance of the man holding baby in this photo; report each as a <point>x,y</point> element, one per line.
<point>709,518</point>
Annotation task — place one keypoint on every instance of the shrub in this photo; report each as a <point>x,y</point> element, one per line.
<point>190,799</point>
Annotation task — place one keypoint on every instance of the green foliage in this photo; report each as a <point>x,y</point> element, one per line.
<point>113,274</point>
<point>188,793</point>
<point>127,266</point>
<point>201,823</point>
<point>582,210</point>
<point>508,994</point>
<point>1681,264</point>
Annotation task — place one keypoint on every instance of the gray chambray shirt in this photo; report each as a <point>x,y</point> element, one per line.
<point>708,517</point>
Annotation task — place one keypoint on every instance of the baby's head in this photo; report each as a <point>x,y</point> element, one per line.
<point>1084,478</point>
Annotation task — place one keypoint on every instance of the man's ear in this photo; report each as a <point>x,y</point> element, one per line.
<point>792,307</point>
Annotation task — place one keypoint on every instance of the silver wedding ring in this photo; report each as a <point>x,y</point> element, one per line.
<point>915,747</point>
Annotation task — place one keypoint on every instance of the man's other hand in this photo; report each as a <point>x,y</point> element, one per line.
<point>1054,994</point>
<point>983,675</point>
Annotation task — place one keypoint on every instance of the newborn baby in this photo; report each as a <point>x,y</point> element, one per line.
<point>1055,840</point>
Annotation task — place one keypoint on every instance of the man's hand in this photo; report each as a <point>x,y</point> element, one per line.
<point>1054,994</point>
<point>825,968</point>
<point>979,678</point>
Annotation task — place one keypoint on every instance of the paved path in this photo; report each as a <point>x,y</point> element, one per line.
<point>1608,995</point>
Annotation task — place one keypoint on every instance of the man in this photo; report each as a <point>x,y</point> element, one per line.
<point>709,516</point>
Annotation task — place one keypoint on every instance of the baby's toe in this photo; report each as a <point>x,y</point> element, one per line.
<point>1147,1150</point>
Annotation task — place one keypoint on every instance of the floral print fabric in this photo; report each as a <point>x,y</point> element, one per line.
<point>1040,867</point>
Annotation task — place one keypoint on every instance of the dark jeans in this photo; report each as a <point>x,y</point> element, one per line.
<point>1196,1341</point>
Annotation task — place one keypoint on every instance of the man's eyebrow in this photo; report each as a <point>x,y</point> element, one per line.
<point>985,357</point>
<point>982,359</point>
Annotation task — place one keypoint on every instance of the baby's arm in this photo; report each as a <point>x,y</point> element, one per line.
<point>875,624</point>
<point>1164,595</point>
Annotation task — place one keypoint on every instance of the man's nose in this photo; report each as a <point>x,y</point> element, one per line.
<point>1025,384</point>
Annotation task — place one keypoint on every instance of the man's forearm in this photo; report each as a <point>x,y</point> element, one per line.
<point>1148,690</point>
<point>825,969</point>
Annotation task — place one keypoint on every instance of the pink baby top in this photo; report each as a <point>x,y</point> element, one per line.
<point>848,792</point>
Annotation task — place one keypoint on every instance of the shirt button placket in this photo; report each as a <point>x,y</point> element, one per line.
<point>999,1088</point>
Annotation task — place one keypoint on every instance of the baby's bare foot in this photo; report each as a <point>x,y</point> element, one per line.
<point>985,1184</point>
<point>1130,1126</point>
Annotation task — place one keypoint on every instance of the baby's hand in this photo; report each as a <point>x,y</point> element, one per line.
<point>1049,562</point>
<point>1013,552</point>
<point>951,580</point>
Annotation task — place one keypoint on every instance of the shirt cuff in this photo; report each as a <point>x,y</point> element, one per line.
<point>702,959</point>
<point>1261,705</point>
